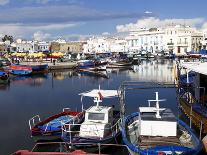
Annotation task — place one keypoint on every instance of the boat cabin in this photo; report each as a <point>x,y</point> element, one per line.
<point>98,119</point>
<point>155,121</point>
<point>97,122</point>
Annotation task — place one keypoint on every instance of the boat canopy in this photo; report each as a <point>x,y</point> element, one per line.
<point>199,67</point>
<point>99,92</point>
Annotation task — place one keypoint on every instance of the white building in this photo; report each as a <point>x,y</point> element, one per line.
<point>151,40</point>
<point>96,45</point>
<point>25,46</point>
<point>178,39</point>
<point>204,42</point>
<point>181,39</point>
<point>105,44</point>
<point>43,46</point>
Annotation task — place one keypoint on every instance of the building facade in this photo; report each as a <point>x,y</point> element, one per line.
<point>105,44</point>
<point>72,47</point>
<point>177,39</point>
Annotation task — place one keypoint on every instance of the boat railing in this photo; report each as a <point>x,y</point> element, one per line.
<point>33,121</point>
<point>69,131</point>
<point>190,99</point>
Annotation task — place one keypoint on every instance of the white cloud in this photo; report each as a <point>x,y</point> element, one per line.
<point>4,2</point>
<point>40,36</point>
<point>204,26</point>
<point>44,1</point>
<point>156,22</point>
<point>22,30</point>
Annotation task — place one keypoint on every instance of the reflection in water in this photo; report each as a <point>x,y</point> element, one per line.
<point>48,94</point>
<point>33,80</point>
<point>154,71</point>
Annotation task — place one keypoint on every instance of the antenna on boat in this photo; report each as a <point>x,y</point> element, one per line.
<point>157,104</point>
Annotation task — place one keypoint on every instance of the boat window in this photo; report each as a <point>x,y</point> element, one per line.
<point>96,116</point>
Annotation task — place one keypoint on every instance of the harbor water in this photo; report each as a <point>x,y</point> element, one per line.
<point>48,94</point>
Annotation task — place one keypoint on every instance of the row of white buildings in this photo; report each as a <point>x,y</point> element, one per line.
<point>177,39</point>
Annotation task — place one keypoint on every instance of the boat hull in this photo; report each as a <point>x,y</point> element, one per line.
<point>134,149</point>
<point>91,145</point>
<point>195,117</point>
<point>47,131</point>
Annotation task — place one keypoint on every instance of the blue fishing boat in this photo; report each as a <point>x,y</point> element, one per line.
<point>101,123</point>
<point>154,130</point>
<point>39,68</point>
<point>50,128</point>
<point>85,64</point>
<point>18,70</point>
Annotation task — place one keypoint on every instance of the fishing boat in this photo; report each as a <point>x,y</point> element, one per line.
<point>192,85</point>
<point>4,77</point>
<point>100,64</point>
<point>50,128</point>
<point>18,70</point>
<point>101,123</point>
<point>40,68</point>
<point>85,64</point>
<point>154,130</point>
<point>120,64</point>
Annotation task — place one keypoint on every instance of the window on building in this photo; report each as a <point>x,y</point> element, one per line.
<point>185,40</point>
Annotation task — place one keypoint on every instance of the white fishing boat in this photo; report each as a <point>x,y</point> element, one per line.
<point>154,130</point>
<point>101,124</point>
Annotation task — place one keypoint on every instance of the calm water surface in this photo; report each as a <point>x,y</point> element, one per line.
<point>49,94</point>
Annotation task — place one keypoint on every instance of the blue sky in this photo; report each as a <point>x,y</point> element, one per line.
<point>79,19</point>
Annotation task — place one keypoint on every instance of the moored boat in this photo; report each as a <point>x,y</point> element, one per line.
<point>192,93</point>
<point>41,68</point>
<point>50,128</point>
<point>120,64</point>
<point>155,130</point>
<point>101,124</point>
<point>85,64</point>
<point>18,70</point>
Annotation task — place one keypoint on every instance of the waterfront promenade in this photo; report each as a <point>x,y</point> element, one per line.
<point>53,66</point>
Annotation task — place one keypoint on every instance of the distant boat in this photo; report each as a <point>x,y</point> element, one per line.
<point>4,77</point>
<point>155,130</point>
<point>101,123</point>
<point>50,128</point>
<point>120,64</point>
<point>85,64</point>
<point>39,68</point>
<point>18,70</point>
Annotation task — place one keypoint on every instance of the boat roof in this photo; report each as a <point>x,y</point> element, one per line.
<point>97,92</point>
<point>199,67</point>
<point>165,113</point>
